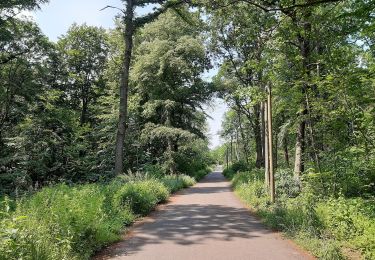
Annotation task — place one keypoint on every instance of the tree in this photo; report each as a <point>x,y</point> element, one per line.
<point>84,52</point>
<point>10,23</point>
<point>19,75</point>
<point>167,78</point>
<point>131,24</point>
<point>240,38</point>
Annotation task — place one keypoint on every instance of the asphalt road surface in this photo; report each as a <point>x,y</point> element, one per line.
<point>205,222</point>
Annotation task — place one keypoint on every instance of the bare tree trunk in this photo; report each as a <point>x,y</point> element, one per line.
<point>286,152</point>
<point>243,137</point>
<point>236,146</point>
<point>299,165</point>
<point>305,51</point>
<point>124,87</point>
<point>170,147</point>
<point>84,111</point>
<point>312,135</point>
<point>170,151</point>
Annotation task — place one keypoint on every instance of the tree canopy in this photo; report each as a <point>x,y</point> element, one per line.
<point>118,105</point>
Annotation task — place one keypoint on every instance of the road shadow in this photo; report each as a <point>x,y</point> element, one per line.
<point>188,224</point>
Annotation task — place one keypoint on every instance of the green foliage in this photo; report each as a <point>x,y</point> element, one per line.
<point>58,109</point>
<point>287,184</point>
<point>141,197</point>
<point>200,174</point>
<point>322,225</point>
<point>167,75</point>
<point>177,182</point>
<point>64,222</point>
<point>84,50</point>
<point>350,220</point>
<point>239,166</point>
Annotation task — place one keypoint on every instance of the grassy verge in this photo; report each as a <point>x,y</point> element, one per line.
<point>65,222</point>
<point>328,227</point>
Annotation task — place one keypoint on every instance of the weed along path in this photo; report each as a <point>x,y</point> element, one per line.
<point>203,222</point>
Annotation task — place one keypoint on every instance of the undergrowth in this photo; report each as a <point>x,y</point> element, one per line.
<point>326,226</point>
<point>72,222</point>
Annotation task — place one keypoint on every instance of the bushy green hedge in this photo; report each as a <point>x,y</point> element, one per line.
<point>200,174</point>
<point>141,196</point>
<point>323,225</point>
<point>177,182</point>
<point>64,222</point>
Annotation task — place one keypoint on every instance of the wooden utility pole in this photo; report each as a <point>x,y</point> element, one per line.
<point>265,139</point>
<point>227,157</point>
<point>231,149</point>
<point>270,146</point>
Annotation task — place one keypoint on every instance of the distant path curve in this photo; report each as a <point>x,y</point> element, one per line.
<point>205,222</point>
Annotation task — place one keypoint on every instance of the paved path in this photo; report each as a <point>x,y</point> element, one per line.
<point>204,222</point>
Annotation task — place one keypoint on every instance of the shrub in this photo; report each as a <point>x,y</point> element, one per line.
<point>154,170</point>
<point>187,181</point>
<point>254,192</point>
<point>239,166</point>
<point>172,182</point>
<point>177,182</point>
<point>200,174</point>
<point>229,173</point>
<point>141,196</point>
<point>287,184</point>
<point>351,220</point>
<point>321,225</point>
<point>64,222</point>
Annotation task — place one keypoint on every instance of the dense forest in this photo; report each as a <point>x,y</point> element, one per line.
<point>300,130</point>
<point>59,102</point>
<point>108,123</point>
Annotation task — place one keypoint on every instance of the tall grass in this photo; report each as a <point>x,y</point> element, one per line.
<point>65,222</point>
<point>326,226</point>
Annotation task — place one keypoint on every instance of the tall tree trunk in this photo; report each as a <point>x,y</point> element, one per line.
<point>286,152</point>
<point>299,165</point>
<point>84,111</point>
<point>124,87</point>
<point>170,152</point>
<point>304,43</point>
<point>171,146</point>
<point>312,135</point>
<point>243,137</point>
<point>236,146</point>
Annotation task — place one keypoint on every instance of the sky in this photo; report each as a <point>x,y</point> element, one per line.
<point>57,16</point>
